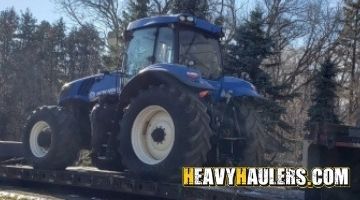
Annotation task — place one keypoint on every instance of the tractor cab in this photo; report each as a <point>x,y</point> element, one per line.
<point>177,39</point>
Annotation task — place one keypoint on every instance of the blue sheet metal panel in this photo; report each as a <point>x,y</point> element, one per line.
<point>106,85</point>
<point>180,72</point>
<point>232,86</point>
<point>98,85</point>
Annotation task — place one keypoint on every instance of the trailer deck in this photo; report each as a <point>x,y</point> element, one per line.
<point>91,178</point>
<point>318,147</point>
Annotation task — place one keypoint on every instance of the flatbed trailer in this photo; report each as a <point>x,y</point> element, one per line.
<point>121,182</point>
<point>326,145</point>
<point>332,145</point>
<point>91,178</point>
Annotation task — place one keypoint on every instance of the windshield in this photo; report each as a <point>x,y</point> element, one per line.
<point>200,51</point>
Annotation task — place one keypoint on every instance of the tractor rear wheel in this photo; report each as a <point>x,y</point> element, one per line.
<point>164,129</point>
<point>258,140</point>
<point>50,138</point>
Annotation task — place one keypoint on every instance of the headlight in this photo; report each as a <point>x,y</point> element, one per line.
<point>190,18</point>
<point>182,18</point>
<point>187,19</point>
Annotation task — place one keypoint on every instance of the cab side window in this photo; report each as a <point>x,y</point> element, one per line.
<point>164,52</point>
<point>140,50</point>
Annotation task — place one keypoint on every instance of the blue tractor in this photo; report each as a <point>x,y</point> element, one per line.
<point>169,106</point>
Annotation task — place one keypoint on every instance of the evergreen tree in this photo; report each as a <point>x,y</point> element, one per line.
<point>43,56</point>
<point>199,8</point>
<point>26,62</point>
<point>244,58</point>
<point>83,52</point>
<point>50,56</point>
<point>9,22</point>
<point>245,55</point>
<point>324,96</point>
<point>58,54</point>
<point>36,59</point>
<point>251,47</point>
<point>27,27</point>
<point>136,9</point>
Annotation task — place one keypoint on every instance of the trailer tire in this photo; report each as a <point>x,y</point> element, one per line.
<point>50,138</point>
<point>174,120</point>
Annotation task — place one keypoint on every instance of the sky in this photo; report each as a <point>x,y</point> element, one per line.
<point>49,11</point>
<point>41,9</point>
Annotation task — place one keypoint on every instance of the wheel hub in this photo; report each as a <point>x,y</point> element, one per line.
<point>158,135</point>
<point>153,134</point>
<point>40,139</point>
<point>44,138</point>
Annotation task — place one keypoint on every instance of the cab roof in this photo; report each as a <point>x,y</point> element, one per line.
<point>168,19</point>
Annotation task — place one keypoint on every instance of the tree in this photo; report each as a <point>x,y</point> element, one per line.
<point>324,97</point>
<point>58,40</point>
<point>349,42</point>
<point>36,59</point>
<point>83,52</point>
<point>9,22</point>
<point>199,8</point>
<point>136,9</point>
<point>105,15</point>
<point>26,61</point>
<point>250,48</point>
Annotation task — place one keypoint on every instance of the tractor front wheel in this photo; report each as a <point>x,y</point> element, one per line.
<point>50,138</point>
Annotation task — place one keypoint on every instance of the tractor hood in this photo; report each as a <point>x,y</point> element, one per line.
<point>89,88</point>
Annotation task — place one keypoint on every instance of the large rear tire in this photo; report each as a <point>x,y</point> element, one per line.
<point>258,140</point>
<point>164,129</point>
<point>50,138</point>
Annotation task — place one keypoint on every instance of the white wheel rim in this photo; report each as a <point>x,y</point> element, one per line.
<point>38,129</point>
<point>145,142</point>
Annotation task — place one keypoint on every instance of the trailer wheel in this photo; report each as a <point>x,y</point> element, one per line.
<point>163,129</point>
<point>50,138</point>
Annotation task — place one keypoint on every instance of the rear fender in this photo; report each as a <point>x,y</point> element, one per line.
<point>163,74</point>
<point>185,75</point>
